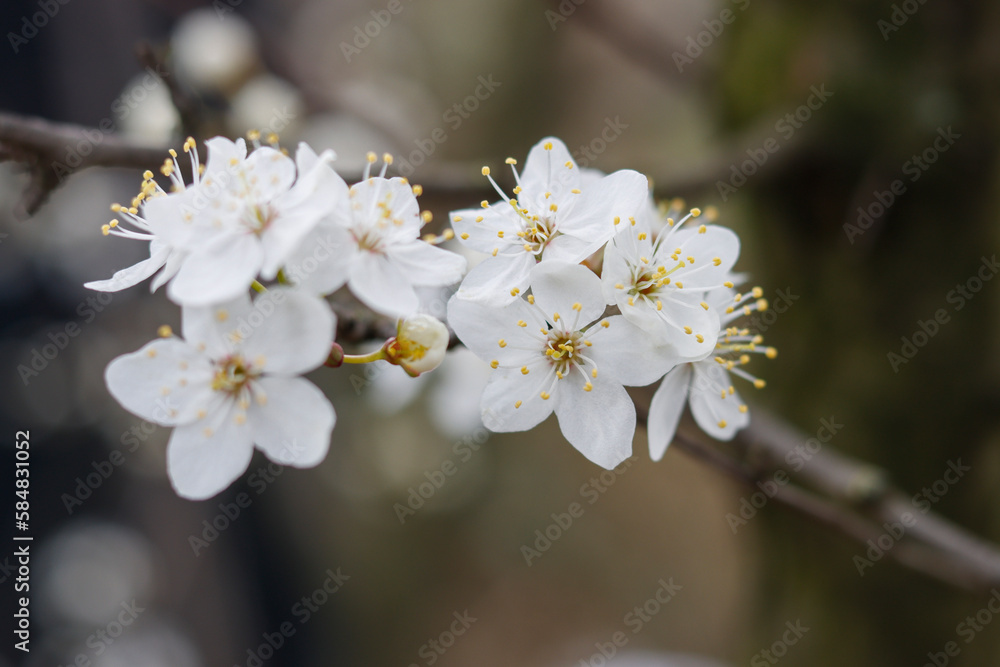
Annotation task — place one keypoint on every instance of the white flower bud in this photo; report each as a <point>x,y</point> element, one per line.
<point>420,345</point>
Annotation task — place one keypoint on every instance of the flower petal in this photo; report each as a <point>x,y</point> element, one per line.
<point>629,354</point>
<point>618,195</point>
<point>481,327</point>
<point>665,410</point>
<point>206,457</point>
<point>506,389</point>
<point>492,280</point>
<point>716,410</point>
<point>288,332</point>
<point>381,286</point>
<point>293,426</point>
<point>600,423</point>
<point>218,272</point>
<point>166,382</point>
<point>134,274</point>
<point>322,262</point>
<point>558,286</point>
<point>426,265</point>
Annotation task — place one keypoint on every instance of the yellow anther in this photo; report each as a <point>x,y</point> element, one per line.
<point>502,343</point>
<point>510,160</point>
<point>631,301</point>
<point>494,364</point>
<point>500,233</point>
<point>605,324</point>
<point>575,191</point>
<point>417,190</point>
<point>720,360</point>
<point>759,384</point>
<point>524,370</point>
<point>722,424</point>
<point>522,323</point>
<point>553,208</point>
<point>619,286</point>
<point>165,331</point>
<point>486,171</point>
<point>771,353</point>
<point>744,358</point>
<point>588,387</point>
<point>495,251</point>
<point>744,409</point>
<point>695,212</point>
<point>702,229</point>
<point>577,306</point>
<point>704,305</point>
<point>105,229</point>
<point>464,236</point>
<point>426,216</point>
<point>531,299</point>
<point>387,158</point>
<point>479,218</point>
<point>517,404</point>
<point>728,284</point>
<point>515,292</point>
<point>547,146</point>
<point>762,305</point>
<point>687,330</point>
<point>208,432</point>
<point>699,338</point>
<point>617,220</point>
<point>484,204</point>
<point>679,284</point>
<point>516,190</point>
<point>642,236</point>
<point>544,395</point>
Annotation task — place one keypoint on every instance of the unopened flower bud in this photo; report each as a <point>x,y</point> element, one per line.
<point>420,344</point>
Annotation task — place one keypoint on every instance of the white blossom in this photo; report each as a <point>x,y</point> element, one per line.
<point>231,383</point>
<point>554,352</point>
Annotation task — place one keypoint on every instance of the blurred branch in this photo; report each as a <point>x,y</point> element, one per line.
<point>186,107</point>
<point>855,499</point>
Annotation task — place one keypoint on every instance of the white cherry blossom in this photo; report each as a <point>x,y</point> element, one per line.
<point>659,284</point>
<point>715,404</point>
<point>371,242</point>
<point>556,214</point>
<point>554,352</point>
<point>232,383</point>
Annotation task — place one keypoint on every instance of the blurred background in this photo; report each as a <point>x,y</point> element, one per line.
<point>853,146</point>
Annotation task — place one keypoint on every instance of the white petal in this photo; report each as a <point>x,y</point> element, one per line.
<point>665,410</point>
<point>205,457</point>
<point>136,273</point>
<point>492,280</point>
<point>481,327</point>
<point>217,272</point>
<point>381,286</point>
<point>322,262</point>
<point>293,426</point>
<point>290,330</point>
<point>166,382</point>
<point>546,171</point>
<point>600,423</point>
<point>268,173</point>
<point>629,354</point>
<point>557,286</point>
<point>210,329</point>
<point>482,236</point>
<point>426,265</point>
<point>720,417</point>
<point>618,195</point>
<point>508,388</point>
<point>715,243</point>
<point>174,262</point>
<point>376,197</point>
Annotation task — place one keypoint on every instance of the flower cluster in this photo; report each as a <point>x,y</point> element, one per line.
<point>246,218</point>
<point>585,287</point>
<point>589,287</point>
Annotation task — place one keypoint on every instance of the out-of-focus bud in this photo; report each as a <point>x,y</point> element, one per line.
<point>420,344</point>
<point>269,104</point>
<point>213,53</point>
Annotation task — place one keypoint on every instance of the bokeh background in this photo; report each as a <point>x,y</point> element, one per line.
<point>678,90</point>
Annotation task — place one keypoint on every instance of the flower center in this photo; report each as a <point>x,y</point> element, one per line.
<point>233,374</point>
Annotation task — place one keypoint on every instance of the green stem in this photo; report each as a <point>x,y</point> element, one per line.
<point>377,355</point>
